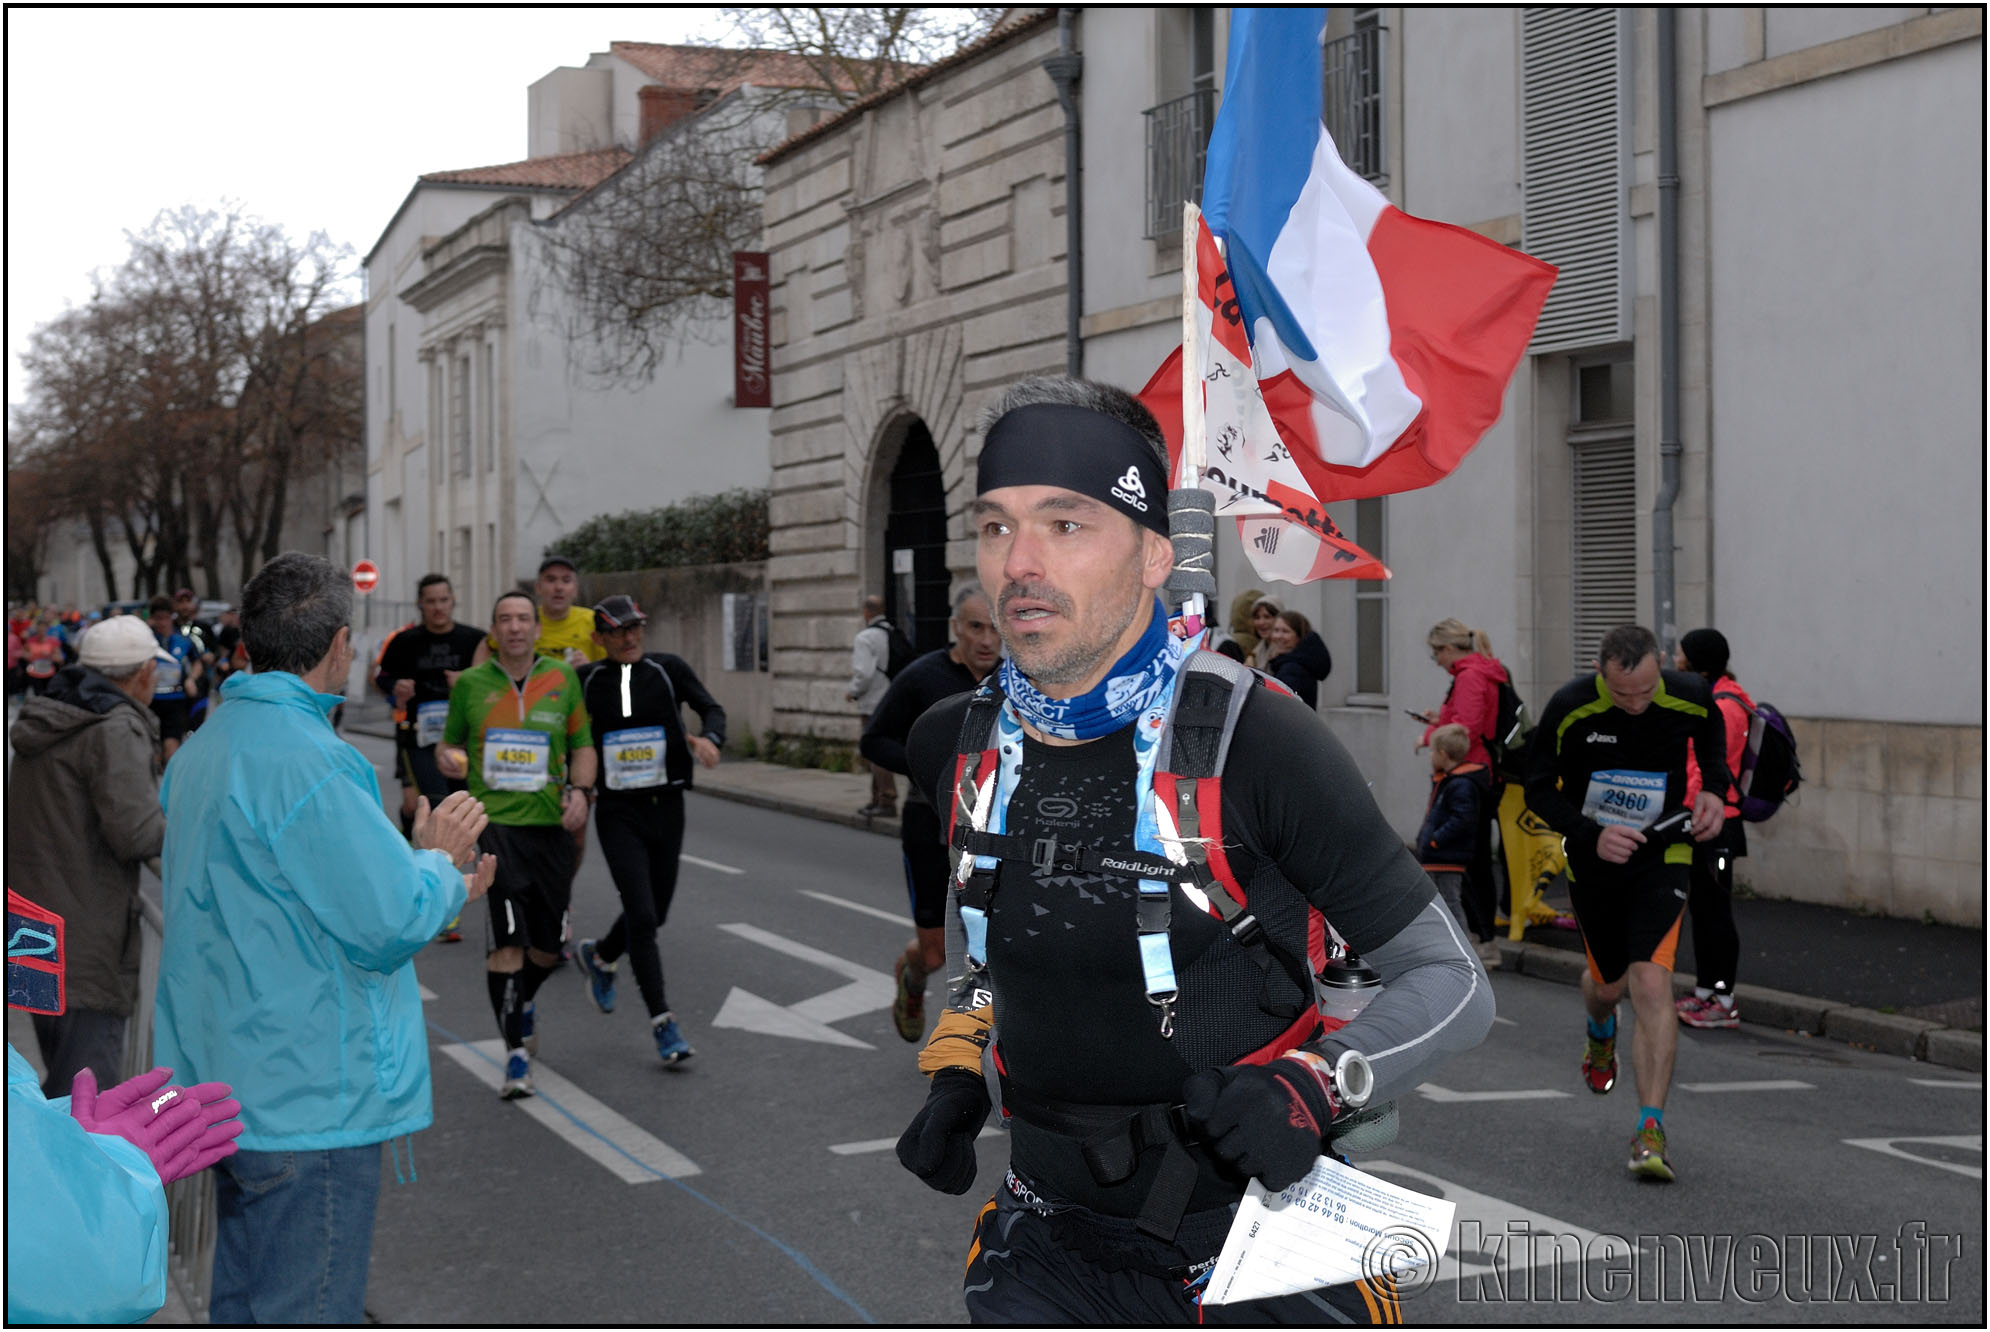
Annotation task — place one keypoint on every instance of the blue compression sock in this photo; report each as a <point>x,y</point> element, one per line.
<point>1603,1031</point>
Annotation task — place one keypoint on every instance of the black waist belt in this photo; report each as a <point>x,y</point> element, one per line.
<point>1111,1138</point>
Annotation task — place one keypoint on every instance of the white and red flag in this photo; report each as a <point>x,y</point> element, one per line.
<point>1346,349</point>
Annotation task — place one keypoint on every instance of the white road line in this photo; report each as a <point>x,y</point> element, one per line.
<point>1445,1096</point>
<point>427,995</point>
<point>1785,1084</point>
<point>892,916</point>
<point>709,864</point>
<point>626,1151</point>
<point>1886,1147</point>
<point>886,1144</point>
<point>1510,1235</point>
<point>1977,1085</point>
<point>1504,1022</point>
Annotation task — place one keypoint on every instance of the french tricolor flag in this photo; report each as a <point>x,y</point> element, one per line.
<point>1382,343</point>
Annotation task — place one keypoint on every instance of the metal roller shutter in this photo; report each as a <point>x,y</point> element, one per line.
<point>1574,209</point>
<point>1604,559</point>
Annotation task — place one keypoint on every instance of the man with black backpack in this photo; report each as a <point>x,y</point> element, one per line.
<point>1143,838</point>
<point>878,653</point>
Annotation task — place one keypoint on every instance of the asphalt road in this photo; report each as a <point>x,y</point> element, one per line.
<point>580,1206</point>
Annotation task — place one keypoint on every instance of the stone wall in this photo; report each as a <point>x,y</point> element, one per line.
<point>917,249</point>
<point>1890,819</point>
<point>686,612</point>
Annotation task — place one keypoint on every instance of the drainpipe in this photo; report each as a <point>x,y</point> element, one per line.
<point>1065,69</point>
<point>1669,447</point>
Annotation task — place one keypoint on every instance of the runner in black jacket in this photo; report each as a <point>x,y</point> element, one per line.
<point>925,681</point>
<point>634,701</point>
<point>1608,771</point>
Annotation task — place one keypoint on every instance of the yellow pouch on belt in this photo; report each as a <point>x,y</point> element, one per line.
<point>958,1040</point>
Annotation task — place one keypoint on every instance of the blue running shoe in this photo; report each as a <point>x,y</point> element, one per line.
<point>517,1078</point>
<point>671,1047</point>
<point>600,979</point>
<point>528,1030</point>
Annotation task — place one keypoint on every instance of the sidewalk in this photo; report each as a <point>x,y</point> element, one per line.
<point>1896,986</point>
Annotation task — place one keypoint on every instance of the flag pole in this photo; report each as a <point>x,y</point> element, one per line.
<point>1191,509</point>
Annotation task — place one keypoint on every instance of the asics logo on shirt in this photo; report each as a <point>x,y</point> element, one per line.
<point>1598,738</point>
<point>1129,489</point>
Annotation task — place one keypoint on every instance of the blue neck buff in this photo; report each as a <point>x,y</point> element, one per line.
<point>1129,688</point>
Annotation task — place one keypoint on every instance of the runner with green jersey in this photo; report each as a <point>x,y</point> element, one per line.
<point>517,732</point>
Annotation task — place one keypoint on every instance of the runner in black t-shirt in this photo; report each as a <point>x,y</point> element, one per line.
<point>1142,1044</point>
<point>925,681</point>
<point>1608,771</point>
<point>416,671</point>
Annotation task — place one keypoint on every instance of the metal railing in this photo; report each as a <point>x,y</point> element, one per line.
<point>1177,142</point>
<point>190,1201</point>
<point>1355,108</point>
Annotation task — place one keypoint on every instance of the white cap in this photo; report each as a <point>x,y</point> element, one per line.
<point>119,644</point>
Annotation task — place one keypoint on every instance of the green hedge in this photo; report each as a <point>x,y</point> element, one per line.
<point>727,528</point>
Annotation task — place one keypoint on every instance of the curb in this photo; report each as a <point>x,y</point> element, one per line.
<point>1887,1033</point>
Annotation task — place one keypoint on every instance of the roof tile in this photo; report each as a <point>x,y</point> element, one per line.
<point>567,171</point>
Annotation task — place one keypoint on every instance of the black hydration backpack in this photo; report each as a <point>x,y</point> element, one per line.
<point>899,652</point>
<point>1512,730</point>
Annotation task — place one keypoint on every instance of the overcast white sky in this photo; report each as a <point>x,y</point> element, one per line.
<point>315,119</point>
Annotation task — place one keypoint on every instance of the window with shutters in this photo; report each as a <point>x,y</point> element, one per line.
<point>1604,506</point>
<point>1575,211</point>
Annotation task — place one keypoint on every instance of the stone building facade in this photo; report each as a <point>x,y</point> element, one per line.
<point>917,249</point>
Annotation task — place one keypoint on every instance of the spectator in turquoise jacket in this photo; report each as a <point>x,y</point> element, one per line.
<point>294,907</point>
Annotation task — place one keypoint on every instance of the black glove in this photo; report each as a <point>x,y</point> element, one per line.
<point>1268,1123</point>
<point>938,1145</point>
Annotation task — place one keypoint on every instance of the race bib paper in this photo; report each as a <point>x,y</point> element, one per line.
<point>1336,1225</point>
<point>633,759</point>
<point>517,760</point>
<point>166,677</point>
<point>429,719</point>
<point>1624,798</point>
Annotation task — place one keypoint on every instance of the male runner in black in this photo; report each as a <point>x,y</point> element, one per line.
<point>1608,772</point>
<point>634,701</point>
<point>922,837</point>
<point>417,671</point>
<point>1135,1126</point>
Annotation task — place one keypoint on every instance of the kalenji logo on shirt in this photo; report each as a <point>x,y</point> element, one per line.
<point>1129,489</point>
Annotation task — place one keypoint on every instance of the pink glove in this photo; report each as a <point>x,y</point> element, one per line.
<point>181,1130</point>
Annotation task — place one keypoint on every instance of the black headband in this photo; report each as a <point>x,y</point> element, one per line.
<point>1076,448</point>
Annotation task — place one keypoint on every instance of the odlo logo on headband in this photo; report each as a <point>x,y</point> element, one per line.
<point>1129,489</point>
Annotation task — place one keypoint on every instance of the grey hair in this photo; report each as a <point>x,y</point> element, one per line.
<point>122,673</point>
<point>965,593</point>
<point>1627,646</point>
<point>1105,399</point>
<point>292,610</point>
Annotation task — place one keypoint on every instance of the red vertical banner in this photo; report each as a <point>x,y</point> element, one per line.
<point>752,385</point>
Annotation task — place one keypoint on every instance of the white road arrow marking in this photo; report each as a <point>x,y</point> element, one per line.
<point>427,995</point>
<point>808,1020</point>
<point>1445,1096</point>
<point>1887,1147</point>
<point>1786,1084</point>
<point>1511,1236</point>
<point>627,1151</point>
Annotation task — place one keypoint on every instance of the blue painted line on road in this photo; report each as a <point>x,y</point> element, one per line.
<point>796,1256</point>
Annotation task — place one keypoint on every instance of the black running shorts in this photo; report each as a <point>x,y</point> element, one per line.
<point>534,885</point>
<point>923,840</point>
<point>1627,914</point>
<point>175,717</point>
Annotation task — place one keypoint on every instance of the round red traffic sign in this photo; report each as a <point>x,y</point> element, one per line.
<point>365,575</point>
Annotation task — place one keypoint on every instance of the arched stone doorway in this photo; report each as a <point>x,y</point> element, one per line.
<point>914,540</point>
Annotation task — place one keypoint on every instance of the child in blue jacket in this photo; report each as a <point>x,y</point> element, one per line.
<point>1452,820</point>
